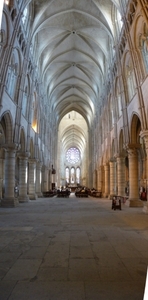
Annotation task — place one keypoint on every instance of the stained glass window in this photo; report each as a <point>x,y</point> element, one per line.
<point>67,175</point>
<point>73,155</point>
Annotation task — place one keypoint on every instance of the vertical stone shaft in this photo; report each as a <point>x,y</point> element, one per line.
<point>38,179</point>
<point>94,179</point>
<point>9,199</point>
<point>32,179</point>
<point>121,176</point>
<point>106,192</point>
<point>133,174</point>
<point>23,165</point>
<point>99,179</point>
<point>112,178</point>
<point>1,176</point>
<point>45,178</point>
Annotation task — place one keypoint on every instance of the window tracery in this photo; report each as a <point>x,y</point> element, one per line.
<point>67,174</point>
<point>119,106</point>
<point>72,175</point>
<point>144,47</point>
<point>12,77</point>
<point>35,114</point>
<point>25,15</point>
<point>25,98</point>
<point>2,35</point>
<point>73,155</point>
<point>78,172</point>
<point>131,83</point>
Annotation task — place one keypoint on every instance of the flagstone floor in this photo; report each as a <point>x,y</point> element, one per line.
<point>72,249</point>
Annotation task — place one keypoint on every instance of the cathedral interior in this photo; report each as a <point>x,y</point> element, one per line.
<point>74,111</point>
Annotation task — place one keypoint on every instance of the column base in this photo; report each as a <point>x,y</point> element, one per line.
<point>40,195</point>
<point>23,199</point>
<point>110,197</point>
<point>33,197</point>
<point>104,195</point>
<point>145,207</point>
<point>134,203</point>
<point>9,202</point>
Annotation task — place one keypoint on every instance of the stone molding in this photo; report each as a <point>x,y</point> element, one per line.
<point>144,135</point>
<point>11,147</point>
<point>23,155</point>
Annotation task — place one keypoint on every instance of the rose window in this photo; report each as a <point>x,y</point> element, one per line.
<point>73,155</point>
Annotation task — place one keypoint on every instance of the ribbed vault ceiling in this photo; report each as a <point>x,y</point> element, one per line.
<point>73,38</point>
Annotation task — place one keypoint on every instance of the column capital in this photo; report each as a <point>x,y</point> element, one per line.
<point>131,146</point>
<point>106,164</point>
<point>32,160</point>
<point>11,147</point>
<point>23,155</point>
<point>112,160</point>
<point>144,135</point>
<point>132,149</point>
<point>132,152</point>
<point>120,155</point>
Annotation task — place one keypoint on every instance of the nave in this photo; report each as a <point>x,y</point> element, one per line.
<point>72,249</point>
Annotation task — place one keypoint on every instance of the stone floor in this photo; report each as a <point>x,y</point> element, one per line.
<point>72,249</point>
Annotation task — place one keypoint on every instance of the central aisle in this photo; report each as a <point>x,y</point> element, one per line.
<point>72,249</point>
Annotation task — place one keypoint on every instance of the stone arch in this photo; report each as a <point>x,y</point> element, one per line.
<point>7,125</point>
<point>141,45</point>
<point>13,72</point>
<point>121,142</point>
<point>138,142</point>
<point>4,33</point>
<point>135,129</point>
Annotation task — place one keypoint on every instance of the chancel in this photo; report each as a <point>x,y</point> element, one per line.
<point>74,125</point>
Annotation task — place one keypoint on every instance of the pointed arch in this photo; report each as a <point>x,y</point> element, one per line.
<point>135,129</point>
<point>7,124</point>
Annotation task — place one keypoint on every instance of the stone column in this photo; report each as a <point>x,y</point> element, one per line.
<point>94,179</point>
<point>38,179</point>
<point>144,135</point>
<point>133,200</point>
<point>49,180</point>
<point>23,173</point>
<point>121,175</point>
<point>32,179</point>
<point>44,179</point>
<point>53,176</point>
<point>9,199</point>
<point>106,168</point>
<point>1,176</point>
<point>112,178</point>
<point>99,179</point>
